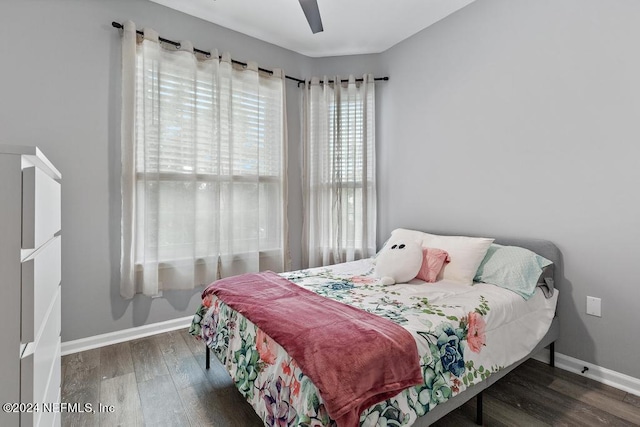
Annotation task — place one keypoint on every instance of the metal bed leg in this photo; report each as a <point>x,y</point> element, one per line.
<point>479,409</point>
<point>552,354</point>
<point>208,357</point>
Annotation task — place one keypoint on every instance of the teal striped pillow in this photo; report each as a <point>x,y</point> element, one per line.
<point>512,267</point>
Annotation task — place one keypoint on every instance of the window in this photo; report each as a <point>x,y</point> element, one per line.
<point>340,214</point>
<point>208,170</point>
<point>349,173</point>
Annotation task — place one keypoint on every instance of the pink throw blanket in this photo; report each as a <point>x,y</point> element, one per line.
<point>356,359</point>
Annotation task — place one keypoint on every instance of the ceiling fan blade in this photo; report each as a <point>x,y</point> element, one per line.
<point>311,11</point>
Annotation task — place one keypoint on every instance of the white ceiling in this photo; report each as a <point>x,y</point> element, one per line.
<point>350,26</point>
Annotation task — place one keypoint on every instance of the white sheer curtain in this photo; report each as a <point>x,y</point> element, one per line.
<point>203,158</point>
<point>339,171</point>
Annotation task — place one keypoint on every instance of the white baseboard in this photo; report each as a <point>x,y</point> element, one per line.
<point>89,343</point>
<point>595,372</point>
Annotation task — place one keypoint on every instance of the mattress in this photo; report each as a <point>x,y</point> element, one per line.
<point>463,333</point>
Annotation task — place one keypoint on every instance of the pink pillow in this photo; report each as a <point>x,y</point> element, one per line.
<point>432,262</point>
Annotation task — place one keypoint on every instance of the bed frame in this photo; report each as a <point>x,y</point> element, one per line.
<point>544,248</point>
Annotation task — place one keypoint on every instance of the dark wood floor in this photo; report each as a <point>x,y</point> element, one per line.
<point>161,381</point>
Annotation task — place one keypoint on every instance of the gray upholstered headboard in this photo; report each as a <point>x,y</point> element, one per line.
<point>542,247</point>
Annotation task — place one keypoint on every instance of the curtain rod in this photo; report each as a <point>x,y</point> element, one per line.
<point>244,64</point>
<point>377,79</point>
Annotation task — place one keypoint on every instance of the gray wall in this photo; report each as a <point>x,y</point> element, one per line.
<point>521,118</point>
<point>60,90</point>
<point>506,118</point>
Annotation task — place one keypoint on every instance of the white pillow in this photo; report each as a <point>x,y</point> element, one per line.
<point>466,254</point>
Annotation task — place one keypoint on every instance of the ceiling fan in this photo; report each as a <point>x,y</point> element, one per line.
<point>311,11</point>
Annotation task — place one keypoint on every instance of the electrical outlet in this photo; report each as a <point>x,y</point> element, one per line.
<point>593,306</point>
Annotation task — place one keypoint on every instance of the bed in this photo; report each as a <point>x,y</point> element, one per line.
<point>487,331</point>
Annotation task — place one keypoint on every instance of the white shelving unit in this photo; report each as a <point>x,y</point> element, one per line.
<point>30,279</point>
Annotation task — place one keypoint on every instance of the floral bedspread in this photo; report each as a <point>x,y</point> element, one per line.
<point>463,334</point>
